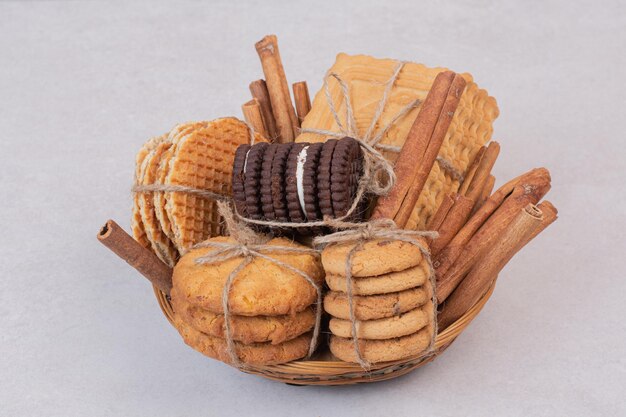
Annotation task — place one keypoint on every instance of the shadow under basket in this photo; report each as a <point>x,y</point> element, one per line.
<point>334,372</point>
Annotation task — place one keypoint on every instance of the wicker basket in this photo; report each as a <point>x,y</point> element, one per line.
<point>333,372</point>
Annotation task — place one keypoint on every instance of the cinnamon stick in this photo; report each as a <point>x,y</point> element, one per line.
<point>485,193</point>
<point>252,114</point>
<point>538,177</point>
<point>415,147</point>
<point>302,99</point>
<point>456,218</point>
<point>439,133</point>
<point>522,195</point>
<point>529,222</point>
<point>286,120</point>
<point>142,259</point>
<point>437,219</point>
<point>483,171</point>
<point>258,89</point>
<point>471,170</point>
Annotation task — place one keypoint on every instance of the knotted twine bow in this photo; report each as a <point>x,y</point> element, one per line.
<point>249,246</point>
<point>359,234</point>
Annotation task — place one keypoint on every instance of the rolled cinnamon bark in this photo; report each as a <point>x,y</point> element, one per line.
<point>258,89</point>
<point>483,171</point>
<point>525,226</point>
<point>456,218</point>
<point>302,99</point>
<point>142,259</point>
<point>439,217</point>
<point>450,105</point>
<point>539,177</point>
<point>252,114</point>
<point>471,170</point>
<point>284,113</point>
<point>522,195</point>
<point>412,155</point>
<point>485,193</point>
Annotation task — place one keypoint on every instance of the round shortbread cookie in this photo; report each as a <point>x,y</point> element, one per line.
<point>375,351</point>
<point>375,257</point>
<point>260,288</point>
<point>257,329</point>
<point>252,354</point>
<point>387,328</point>
<point>372,307</point>
<point>382,284</point>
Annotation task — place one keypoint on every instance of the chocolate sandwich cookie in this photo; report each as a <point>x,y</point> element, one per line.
<point>309,183</point>
<point>252,181</point>
<point>277,186</point>
<point>346,171</point>
<point>324,177</point>
<point>238,179</point>
<point>267,204</point>
<point>293,182</point>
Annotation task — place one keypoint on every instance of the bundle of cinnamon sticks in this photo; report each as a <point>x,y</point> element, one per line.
<point>271,112</point>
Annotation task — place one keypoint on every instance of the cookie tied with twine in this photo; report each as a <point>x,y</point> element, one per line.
<point>356,236</point>
<point>250,275</point>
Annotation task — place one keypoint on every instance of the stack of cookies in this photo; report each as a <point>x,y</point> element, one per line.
<point>392,298</point>
<point>270,306</point>
<point>197,156</point>
<point>297,182</point>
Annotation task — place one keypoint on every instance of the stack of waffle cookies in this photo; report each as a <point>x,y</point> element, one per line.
<point>298,182</point>
<point>197,156</point>
<point>272,316</point>
<point>392,300</point>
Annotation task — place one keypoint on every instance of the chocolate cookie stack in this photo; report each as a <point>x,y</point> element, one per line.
<point>271,313</point>
<point>392,298</point>
<point>298,182</point>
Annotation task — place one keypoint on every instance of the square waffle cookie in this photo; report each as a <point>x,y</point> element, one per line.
<point>366,77</point>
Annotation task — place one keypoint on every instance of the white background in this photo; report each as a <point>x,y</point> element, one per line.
<point>84,84</point>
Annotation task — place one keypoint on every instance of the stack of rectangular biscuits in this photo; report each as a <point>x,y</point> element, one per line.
<point>392,300</point>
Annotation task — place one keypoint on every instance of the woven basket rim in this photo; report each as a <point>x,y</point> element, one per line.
<point>325,372</point>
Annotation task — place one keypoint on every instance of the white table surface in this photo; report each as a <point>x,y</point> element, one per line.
<point>83,84</point>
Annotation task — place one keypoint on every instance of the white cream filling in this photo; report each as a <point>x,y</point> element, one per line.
<point>300,177</point>
<point>245,162</point>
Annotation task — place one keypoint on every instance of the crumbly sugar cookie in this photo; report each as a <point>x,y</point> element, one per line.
<point>248,330</point>
<point>387,328</point>
<point>375,257</point>
<point>252,354</point>
<point>261,288</point>
<point>375,351</point>
<point>372,307</point>
<point>382,284</point>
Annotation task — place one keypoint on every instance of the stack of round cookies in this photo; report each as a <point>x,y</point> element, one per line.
<point>392,300</point>
<point>271,307</point>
